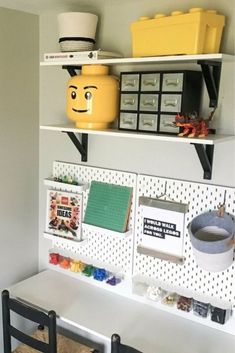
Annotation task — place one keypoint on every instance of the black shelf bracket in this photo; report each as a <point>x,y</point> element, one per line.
<point>71,69</point>
<point>205,154</point>
<point>82,146</point>
<point>211,71</point>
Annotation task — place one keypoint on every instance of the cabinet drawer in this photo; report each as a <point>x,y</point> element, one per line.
<point>129,101</point>
<point>130,82</point>
<point>149,102</point>
<point>150,82</point>
<point>172,82</point>
<point>128,121</point>
<point>171,103</point>
<point>148,122</point>
<point>166,124</point>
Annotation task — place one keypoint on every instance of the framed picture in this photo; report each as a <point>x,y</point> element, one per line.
<point>64,214</point>
<point>163,225</point>
<point>167,125</point>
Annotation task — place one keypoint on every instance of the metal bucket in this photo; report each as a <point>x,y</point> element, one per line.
<point>211,237</point>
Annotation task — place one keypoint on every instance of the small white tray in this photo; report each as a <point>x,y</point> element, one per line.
<point>105,232</point>
<point>62,240</point>
<point>69,187</point>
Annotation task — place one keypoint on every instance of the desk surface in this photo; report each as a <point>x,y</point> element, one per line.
<point>104,313</point>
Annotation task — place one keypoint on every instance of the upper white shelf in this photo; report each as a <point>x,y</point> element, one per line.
<point>144,60</point>
<point>209,140</point>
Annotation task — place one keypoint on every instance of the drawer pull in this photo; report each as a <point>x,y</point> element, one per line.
<point>128,121</point>
<point>170,102</point>
<point>147,122</point>
<point>172,82</point>
<point>149,102</point>
<point>150,82</point>
<point>129,101</point>
<point>129,83</point>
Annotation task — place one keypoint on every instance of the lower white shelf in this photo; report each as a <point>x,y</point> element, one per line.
<point>121,288</point>
<point>139,287</point>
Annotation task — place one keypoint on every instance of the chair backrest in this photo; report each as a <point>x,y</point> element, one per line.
<point>49,320</point>
<point>118,347</point>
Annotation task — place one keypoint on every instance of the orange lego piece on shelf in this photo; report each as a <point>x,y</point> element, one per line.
<point>64,262</point>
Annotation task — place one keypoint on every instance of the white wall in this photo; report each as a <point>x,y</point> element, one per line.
<point>171,160</point>
<point>19,79</point>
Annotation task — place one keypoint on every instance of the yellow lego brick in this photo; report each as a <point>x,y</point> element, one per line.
<point>196,32</point>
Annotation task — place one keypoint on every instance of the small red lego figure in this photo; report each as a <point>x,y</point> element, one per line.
<point>192,125</point>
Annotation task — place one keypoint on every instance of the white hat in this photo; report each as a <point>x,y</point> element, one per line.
<point>77,30</point>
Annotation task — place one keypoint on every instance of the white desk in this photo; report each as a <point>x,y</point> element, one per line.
<point>102,312</point>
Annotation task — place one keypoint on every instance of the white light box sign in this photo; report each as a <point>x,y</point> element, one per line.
<point>163,224</point>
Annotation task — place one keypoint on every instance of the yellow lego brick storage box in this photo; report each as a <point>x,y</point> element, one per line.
<point>197,32</point>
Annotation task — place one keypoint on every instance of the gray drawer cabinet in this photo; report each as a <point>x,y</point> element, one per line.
<point>153,98</point>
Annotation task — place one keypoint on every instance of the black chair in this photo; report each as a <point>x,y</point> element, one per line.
<point>118,347</point>
<point>50,340</point>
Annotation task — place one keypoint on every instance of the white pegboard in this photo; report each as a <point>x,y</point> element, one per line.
<point>201,198</point>
<point>110,250</point>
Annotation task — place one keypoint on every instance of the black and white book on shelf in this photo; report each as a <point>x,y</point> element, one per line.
<point>81,55</point>
<point>64,214</point>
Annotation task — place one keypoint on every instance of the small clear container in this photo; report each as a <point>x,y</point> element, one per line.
<point>170,299</point>
<point>155,293</point>
<point>184,303</point>
<point>200,308</point>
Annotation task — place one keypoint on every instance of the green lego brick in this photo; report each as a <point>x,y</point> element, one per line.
<point>108,206</point>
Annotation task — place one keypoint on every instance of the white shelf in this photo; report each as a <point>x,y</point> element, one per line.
<point>119,288</point>
<point>209,140</point>
<point>228,327</point>
<point>69,187</point>
<point>63,241</point>
<point>143,60</point>
<point>106,232</point>
<point>138,293</point>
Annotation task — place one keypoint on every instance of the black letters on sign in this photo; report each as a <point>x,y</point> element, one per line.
<point>159,229</point>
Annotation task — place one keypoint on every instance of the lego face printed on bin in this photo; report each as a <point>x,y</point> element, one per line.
<point>92,98</point>
<point>81,99</point>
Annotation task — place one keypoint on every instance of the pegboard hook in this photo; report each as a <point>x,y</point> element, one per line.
<point>164,194</point>
<point>165,188</point>
<point>221,207</point>
<point>225,193</point>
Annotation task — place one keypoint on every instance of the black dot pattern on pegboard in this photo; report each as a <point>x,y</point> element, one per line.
<point>201,198</point>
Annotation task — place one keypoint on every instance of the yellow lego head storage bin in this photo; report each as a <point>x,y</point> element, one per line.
<point>92,98</point>
<point>197,32</point>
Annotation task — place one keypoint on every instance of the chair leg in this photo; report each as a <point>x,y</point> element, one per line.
<point>6,321</point>
<point>41,327</point>
<point>52,331</point>
<point>115,343</point>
